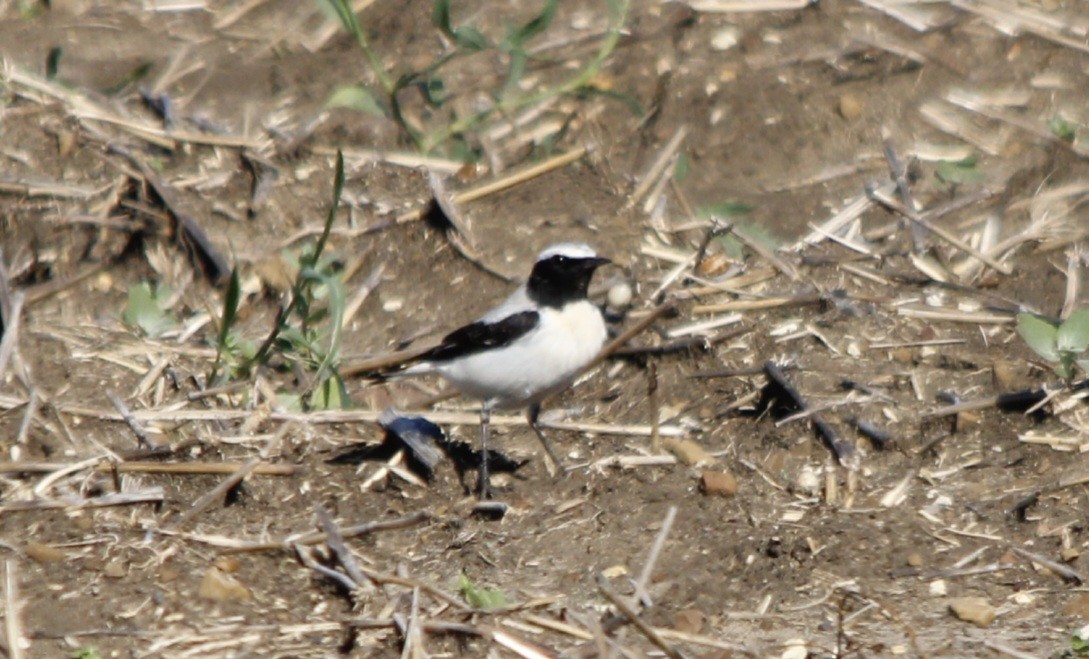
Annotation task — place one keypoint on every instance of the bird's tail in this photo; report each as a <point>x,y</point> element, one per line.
<point>390,366</point>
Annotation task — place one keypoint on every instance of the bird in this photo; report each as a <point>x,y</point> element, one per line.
<point>529,347</point>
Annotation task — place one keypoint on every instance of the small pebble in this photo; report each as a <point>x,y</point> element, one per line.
<point>718,483</point>
<point>1070,554</point>
<point>687,451</point>
<point>938,589</point>
<point>851,106</point>
<point>689,621</point>
<point>228,564</point>
<point>620,295</point>
<point>114,570</point>
<point>726,38</point>
<point>614,571</point>
<point>44,553</point>
<point>1004,374</point>
<point>220,586</point>
<point>915,559</point>
<point>975,610</point>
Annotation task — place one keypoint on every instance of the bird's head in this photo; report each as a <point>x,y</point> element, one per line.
<point>562,274</point>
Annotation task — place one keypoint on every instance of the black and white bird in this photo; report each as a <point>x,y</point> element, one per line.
<point>531,346</point>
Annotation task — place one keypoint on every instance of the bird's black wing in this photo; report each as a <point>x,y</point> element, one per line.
<point>481,335</point>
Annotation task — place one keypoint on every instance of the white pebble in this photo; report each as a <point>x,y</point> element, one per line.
<point>619,295</point>
<point>726,38</point>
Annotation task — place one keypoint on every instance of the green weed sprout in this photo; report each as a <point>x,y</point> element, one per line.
<point>480,598</point>
<point>307,331</point>
<point>1063,344</point>
<point>468,40</point>
<point>145,310</point>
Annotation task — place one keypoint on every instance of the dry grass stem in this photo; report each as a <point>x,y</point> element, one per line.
<point>657,168</point>
<point>216,493</point>
<point>633,617</point>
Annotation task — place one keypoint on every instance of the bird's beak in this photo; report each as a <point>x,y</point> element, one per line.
<point>597,262</point>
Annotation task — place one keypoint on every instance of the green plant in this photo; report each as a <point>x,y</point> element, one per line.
<point>234,354</point>
<point>445,129</point>
<point>307,332</point>
<point>480,598</point>
<point>1063,128</point>
<point>1064,344</point>
<point>1079,647</point>
<point>731,246</point>
<point>86,652</point>
<point>146,310</point>
<point>959,172</point>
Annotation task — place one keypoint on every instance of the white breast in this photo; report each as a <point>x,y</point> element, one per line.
<point>543,362</point>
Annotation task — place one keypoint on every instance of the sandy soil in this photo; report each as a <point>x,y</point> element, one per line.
<point>784,111</point>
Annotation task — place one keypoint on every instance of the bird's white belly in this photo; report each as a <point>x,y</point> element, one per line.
<point>543,362</point>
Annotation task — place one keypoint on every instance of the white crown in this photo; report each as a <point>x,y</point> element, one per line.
<point>570,250</point>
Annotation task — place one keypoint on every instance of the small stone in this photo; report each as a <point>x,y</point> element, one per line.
<point>44,553</point>
<point>1079,606</point>
<point>795,649</point>
<point>228,564</point>
<point>851,106</point>
<point>614,571</point>
<point>1004,374</point>
<point>1008,558</point>
<point>688,621</point>
<point>720,483</point>
<point>1070,554</point>
<point>714,265</point>
<point>975,610</point>
<point>915,559</point>
<point>168,574</point>
<point>114,570</point>
<point>937,588</point>
<point>687,451</point>
<point>902,355</point>
<point>220,586</point>
<point>966,420</point>
<point>619,296</point>
<point>84,523</point>
<point>726,38</point>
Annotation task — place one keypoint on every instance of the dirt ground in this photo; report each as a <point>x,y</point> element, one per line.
<point>785,111</point>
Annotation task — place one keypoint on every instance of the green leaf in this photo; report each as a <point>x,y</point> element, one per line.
<point>470,39</point>
<point>230,308</point>
<point>466,37</point>
<point>725,210</point>
<point>759,234</point>
<point>144,311</point>
<point>330,395</point>
<point>680,170</point>
<point>1040,334</point>
<point>959,172</point>
<point>356,97</point>
<point>1062,128</point>
<point>434,91</point>
<point>290,402</point>
<point>88,652</point>
<point>440,16</point>
<point>480,598</point>
<point>1073,335</point>
<point>536,25</point>
<point>343,12</point>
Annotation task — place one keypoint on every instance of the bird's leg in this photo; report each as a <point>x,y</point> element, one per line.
<point>484,484</point>
<point>555,466</point>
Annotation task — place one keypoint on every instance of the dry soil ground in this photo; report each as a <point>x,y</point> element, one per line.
<point>784,111</point>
